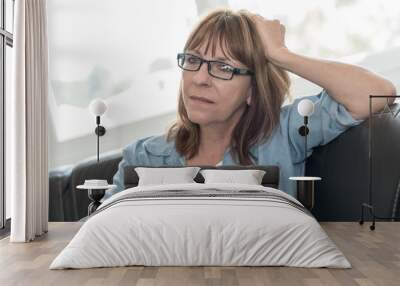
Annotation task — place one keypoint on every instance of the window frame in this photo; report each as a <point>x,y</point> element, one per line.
<point>6,39</point>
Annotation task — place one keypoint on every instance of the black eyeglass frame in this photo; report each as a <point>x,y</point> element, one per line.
<point>235,71</point>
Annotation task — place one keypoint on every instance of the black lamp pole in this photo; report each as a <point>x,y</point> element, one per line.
<point>100,131</point>
<point>303,131</point>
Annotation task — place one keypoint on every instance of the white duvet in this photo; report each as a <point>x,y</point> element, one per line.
<point>180,231</point>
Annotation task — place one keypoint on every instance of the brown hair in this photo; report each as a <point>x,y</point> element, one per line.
<point>270,84</point>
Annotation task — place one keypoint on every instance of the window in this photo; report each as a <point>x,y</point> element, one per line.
<point>350,31</point>
<point>6,44</point>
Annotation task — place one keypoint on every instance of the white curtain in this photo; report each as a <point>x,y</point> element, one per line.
<point>26,129</point>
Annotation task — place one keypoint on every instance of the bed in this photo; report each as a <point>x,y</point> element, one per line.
<point>201,224</point>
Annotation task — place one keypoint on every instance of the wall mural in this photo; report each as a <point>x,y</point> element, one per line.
<point>121,51</point>
<point>125,51</point>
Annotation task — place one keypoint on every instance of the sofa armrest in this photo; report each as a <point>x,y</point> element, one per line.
<point>343,165</point>
<point>67,204</point>
<point>58,192</point>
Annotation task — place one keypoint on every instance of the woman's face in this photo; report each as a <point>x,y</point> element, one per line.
<point>229,97</point>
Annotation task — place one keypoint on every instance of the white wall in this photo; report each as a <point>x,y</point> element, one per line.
<point>382,63</point>
<point>124,52</point>
<point>81,148</point>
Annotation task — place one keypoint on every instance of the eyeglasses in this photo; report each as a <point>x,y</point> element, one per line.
<point>216,69</point>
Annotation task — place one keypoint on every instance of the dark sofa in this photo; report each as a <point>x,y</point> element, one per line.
<point>342,164</point>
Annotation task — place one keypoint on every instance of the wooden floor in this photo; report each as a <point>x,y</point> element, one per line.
<point>374,255</point>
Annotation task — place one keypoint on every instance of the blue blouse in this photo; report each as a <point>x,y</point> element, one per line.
<point>284,148</point>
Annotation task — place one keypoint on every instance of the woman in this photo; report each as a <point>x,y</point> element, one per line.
<point>234,82</point>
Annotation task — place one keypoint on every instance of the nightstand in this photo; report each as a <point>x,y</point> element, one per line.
<point>305,190</point>
<point>95,194</point>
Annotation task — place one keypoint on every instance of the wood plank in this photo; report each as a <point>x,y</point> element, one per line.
<point>374,255</point>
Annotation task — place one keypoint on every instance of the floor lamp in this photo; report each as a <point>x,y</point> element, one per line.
<point>98,107</point>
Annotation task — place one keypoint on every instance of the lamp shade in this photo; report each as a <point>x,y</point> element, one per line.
<point>305,107</point>
<point>97,107</point>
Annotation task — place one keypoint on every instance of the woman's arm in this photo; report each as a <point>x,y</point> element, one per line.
<point>348,84</point>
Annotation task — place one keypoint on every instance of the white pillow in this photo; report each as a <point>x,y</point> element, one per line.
<point>162,176</point>
<point>249,177</point>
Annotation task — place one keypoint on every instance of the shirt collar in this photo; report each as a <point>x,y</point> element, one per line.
<point>159,146</point>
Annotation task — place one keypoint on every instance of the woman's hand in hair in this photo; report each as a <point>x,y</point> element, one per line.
<point>272,34</point>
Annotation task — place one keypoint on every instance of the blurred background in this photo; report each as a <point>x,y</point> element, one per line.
<point>124,52</point>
